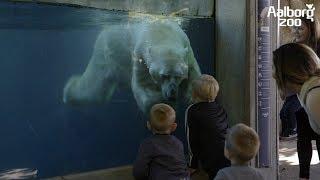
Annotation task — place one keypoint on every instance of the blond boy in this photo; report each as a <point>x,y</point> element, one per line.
<point>204,89</point>
<point>242,145</point>
<point>161,156</point>
<point>207,125</point>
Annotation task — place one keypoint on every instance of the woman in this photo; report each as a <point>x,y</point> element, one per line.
<point>297,70</point>
<point>308,33</point>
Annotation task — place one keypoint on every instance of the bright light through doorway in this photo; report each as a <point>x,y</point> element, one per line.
<point>288,153</point>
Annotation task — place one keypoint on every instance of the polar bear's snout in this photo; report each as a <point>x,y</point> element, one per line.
<point>172,92</point>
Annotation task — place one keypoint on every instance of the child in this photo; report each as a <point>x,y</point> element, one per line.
<point>207,126</point>
<point>242,145</point>
<point>161,156</point>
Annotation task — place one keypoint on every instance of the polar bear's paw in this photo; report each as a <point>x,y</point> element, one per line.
<point>68,91</point>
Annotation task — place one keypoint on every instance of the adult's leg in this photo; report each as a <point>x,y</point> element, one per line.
<point>304,145</point>
<point>318,147</point>
<point>304,148</point>
<point>284,129</point>
<point>292,126</point>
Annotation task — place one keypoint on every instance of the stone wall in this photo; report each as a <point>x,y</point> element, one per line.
<point>285,32</point>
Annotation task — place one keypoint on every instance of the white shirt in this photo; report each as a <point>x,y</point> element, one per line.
<point>310,99</point>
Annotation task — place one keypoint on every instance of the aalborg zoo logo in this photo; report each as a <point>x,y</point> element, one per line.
<point>292,17</point>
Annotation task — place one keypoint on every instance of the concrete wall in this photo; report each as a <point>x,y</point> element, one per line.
<point>236,23</point>
<point>231,56</point>
<point>194,7</point>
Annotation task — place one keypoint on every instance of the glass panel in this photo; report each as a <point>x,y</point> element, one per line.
<point>97,120</point>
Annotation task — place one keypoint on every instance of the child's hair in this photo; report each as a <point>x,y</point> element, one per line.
<point>205,88</point>
<point>242,143</point>
<point>161,117</point>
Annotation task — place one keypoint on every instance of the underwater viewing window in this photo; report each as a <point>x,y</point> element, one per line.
<point>78,83</point>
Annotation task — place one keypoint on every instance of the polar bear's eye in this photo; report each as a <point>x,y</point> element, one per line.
<point>164,76</point>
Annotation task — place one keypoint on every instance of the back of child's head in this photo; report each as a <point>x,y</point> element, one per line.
<point>162,116</point>
<point>205,88</point>
<point>242,143</point>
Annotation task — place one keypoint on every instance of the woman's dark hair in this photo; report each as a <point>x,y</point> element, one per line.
<point>294,64</point>
<point>314,37</point>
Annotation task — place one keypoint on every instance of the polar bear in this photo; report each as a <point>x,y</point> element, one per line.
<point>154,58</point>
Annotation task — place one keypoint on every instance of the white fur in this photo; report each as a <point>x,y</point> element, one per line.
<point>134,55</point>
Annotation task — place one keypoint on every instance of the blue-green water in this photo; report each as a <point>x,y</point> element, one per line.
<point>41,46</point>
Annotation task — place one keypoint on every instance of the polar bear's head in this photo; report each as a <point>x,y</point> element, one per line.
<point>168,67</point>
<point>165,50</point>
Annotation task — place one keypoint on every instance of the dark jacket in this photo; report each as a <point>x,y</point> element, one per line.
<point>207,126</point>
<point>161,157</point>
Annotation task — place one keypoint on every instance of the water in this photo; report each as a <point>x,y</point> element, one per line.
<point>41,46</point>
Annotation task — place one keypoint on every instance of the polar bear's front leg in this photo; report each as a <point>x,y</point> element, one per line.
<point>144,90</point>
<point>96,84</point>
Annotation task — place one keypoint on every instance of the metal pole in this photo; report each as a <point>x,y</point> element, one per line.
<point>263,79</point>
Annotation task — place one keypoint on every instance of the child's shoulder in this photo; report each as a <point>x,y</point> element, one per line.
<point>160,140</point>
<point>216,104</point>
<point>236,171</point>
<point>191,106</point>
<point>176,139</point>
<point>198,105</point>
<point>160,137</point>
<point>147,141</point>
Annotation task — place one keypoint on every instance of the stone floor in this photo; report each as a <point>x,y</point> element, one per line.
<point>289,163</point>
<point>122,173</point>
